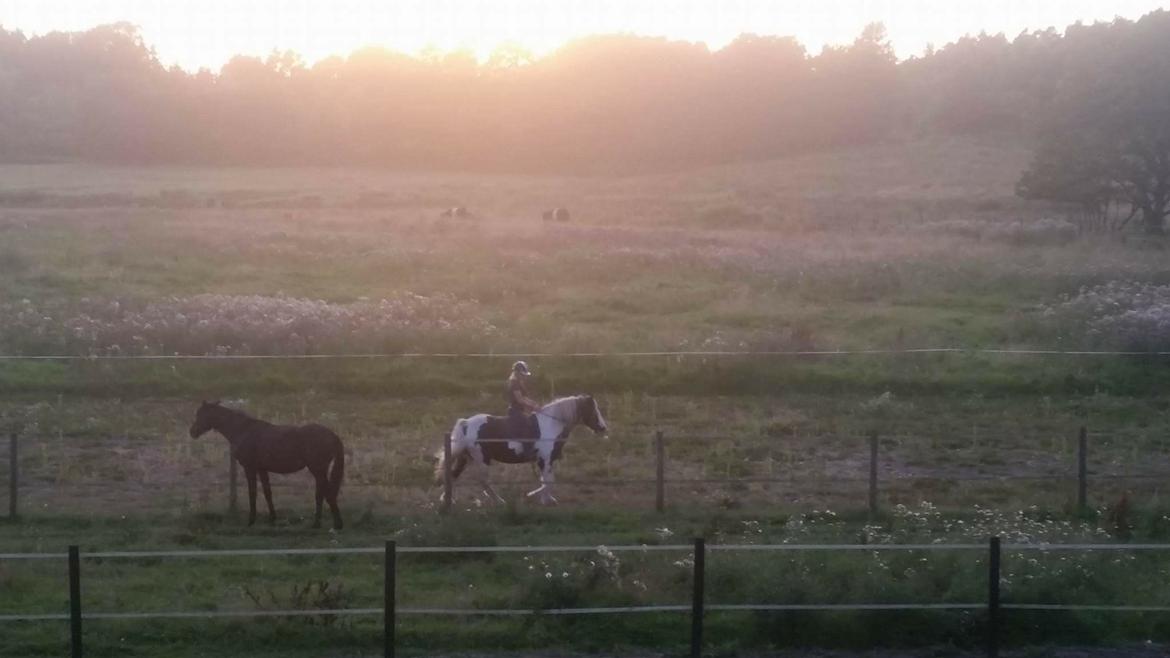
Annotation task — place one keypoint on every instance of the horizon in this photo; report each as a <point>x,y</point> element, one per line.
<point>205,35</point>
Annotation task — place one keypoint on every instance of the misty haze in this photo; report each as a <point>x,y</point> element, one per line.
<point>648,342</point>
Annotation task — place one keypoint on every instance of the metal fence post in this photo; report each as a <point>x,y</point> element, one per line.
<point>1082,471</point>
<point>660,473</point>
<point>697,598</point>
<point>75,601</point>
<point>993,615</point>
<point>388,606</point>
<point>233,478</point>
<point>447,482</point>
<point>873,475</point>
<point>13,474</point>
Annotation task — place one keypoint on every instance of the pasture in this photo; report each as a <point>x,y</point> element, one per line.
<point>888,247</point>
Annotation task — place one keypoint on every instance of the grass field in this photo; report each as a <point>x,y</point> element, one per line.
<point>895,246</point>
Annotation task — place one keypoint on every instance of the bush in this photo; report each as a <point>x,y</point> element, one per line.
<point>1117,315</point>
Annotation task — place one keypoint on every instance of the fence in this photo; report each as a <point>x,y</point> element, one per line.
<point>993,605</point>
<point>875,478</point>
<point>660,480</point>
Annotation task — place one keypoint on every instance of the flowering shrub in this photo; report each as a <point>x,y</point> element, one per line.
<point>1119,315</point>
<point>238,324</point>
<point>565,583</point>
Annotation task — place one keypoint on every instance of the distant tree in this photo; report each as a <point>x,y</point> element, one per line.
<point>609,102</point>
<point>1110,140</point>
<point>1067,170</point>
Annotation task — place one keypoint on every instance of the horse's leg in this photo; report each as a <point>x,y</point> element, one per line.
<point>488,489</point>
<point>331,497</point>
<point>268,496</point>
<point>546,480</point>
<point>322,486</point>
<point>250,474</point>
<point>477,463</point>
<point>485,482</point>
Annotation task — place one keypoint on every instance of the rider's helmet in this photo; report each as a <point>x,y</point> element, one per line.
<point>521,368</point>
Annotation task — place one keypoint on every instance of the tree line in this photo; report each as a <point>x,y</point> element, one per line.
<point>605,103</point>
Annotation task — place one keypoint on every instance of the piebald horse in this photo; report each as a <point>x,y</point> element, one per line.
<point>483,439</point>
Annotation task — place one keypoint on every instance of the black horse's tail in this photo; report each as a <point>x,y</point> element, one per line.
<point>337,472</point>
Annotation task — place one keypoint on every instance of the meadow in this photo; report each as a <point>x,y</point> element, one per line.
<point>889,247</point>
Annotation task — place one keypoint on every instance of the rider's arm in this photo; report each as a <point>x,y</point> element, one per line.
<point>522,396</point>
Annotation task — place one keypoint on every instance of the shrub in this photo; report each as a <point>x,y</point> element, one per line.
<point>1117,315</point>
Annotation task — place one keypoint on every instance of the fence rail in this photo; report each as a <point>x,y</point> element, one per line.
<point>1081,472</point>
<point>697,607</point>
<point>1080,476</point>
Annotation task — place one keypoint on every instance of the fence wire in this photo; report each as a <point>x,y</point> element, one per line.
<point>576,355</point>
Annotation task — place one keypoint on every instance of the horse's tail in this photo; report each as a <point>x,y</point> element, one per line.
<point>337,471</point>
<point>458,453</point>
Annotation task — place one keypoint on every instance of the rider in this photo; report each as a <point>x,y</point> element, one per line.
<point>519,404</point>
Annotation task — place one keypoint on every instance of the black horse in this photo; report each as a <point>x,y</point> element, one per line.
<point>261,447</point>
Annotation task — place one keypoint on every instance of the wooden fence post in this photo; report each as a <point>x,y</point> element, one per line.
<point>233,479</point>
<point>13,474</point>
<point>993,613</point>
<point>660,473</point>
<point>873,475</point>
<point>445,507</point>
<point>75,601</point>
<point>1082,471</point>
<point>698,578</point>
<point>388,606</point>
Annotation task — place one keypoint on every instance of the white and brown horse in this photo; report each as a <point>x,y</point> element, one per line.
<point>482,439</point>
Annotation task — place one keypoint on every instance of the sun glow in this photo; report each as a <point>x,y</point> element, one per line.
<point>206,33</point>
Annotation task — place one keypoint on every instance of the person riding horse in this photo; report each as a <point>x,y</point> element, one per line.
<point>520,405</point>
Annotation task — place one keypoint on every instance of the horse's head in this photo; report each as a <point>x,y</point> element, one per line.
<point>590,415</point>
<point>205,417</point>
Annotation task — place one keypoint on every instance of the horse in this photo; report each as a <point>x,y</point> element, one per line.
<point>457,211</point>
<point>482,439</point>
<point>261,447</point>
<point>556,214</point>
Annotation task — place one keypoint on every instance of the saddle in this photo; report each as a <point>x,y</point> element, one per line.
<point>525,428</point>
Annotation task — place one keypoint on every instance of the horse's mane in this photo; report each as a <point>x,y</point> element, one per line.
<point>562,401</point>
<point>239,414</point>
<point>233,410</point>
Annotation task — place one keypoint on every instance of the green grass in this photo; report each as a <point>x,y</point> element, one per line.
<point>591,578</point>
<point>825,251</point>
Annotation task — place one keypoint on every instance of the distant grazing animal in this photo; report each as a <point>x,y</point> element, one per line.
<point>556,215</point>
<point>482,439</point>
<point>261,447</point>
<point>457,211</point>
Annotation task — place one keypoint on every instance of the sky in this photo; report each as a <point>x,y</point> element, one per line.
<point>206,33</point>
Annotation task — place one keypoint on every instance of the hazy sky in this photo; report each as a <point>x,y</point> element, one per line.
<point>205,33</point>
